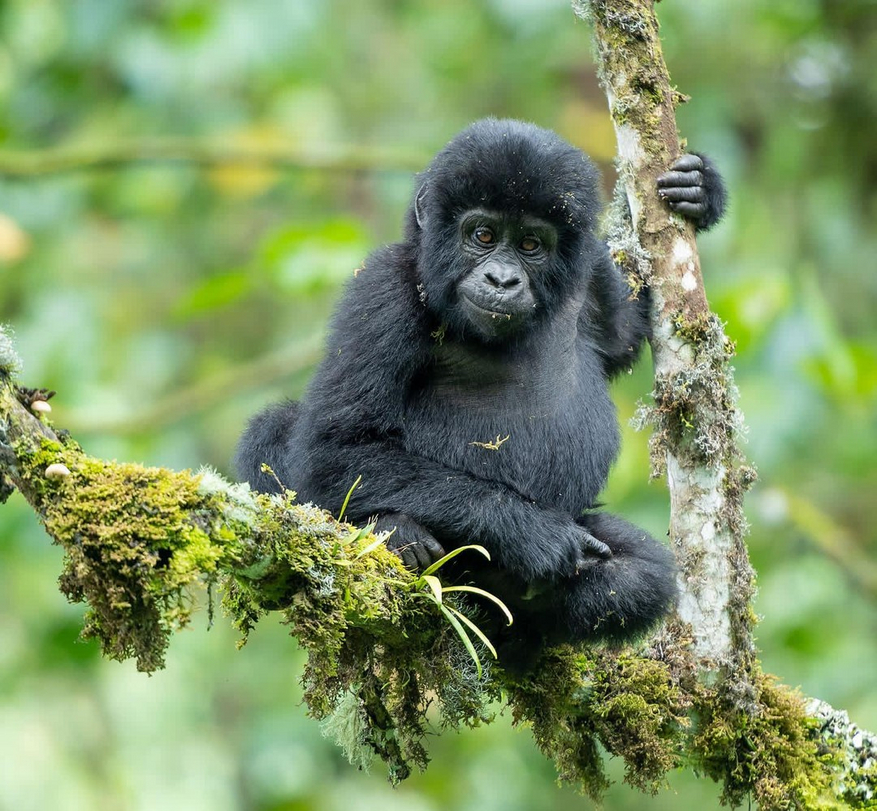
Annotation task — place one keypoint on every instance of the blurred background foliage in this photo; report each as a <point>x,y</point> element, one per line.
<point>167,302</point>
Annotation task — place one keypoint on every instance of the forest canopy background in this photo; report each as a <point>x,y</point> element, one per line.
<point>166,303</point>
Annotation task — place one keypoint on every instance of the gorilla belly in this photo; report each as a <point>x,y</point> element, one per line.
<point>545,426</point>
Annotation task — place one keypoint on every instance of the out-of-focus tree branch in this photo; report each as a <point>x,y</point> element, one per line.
<point>113,155</point>
<point>205,394</point>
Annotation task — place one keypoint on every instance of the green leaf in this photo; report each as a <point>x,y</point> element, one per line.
<point>358,534</point>
<point>347,498</point>
<point>478,632</point>
<point>452,554</point>
<point>313,257</point>
<point>214,293</point>
<point>455,623</point>
<point>483,593</point>
<point>434,583</point>
<point>372,546</point>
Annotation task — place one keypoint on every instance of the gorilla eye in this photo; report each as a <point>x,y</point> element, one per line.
<point>484,236</point>
<point>529,244</point>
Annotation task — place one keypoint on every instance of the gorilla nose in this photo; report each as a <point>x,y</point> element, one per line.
<point>502,277</point>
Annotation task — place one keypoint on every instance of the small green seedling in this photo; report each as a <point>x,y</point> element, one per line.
<point>431,587</point>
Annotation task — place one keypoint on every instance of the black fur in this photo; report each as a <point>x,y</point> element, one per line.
<point>466,382</point>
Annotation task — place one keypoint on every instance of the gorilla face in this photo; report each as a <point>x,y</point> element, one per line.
<point>498,295</point>
<point>502,224</point>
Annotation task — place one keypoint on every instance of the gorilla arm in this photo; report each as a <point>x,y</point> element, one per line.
<point>616,318</point>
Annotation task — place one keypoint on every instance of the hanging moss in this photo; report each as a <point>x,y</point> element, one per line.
<point>631,705</point>
<point>750,734</point>
<point>135,543</point>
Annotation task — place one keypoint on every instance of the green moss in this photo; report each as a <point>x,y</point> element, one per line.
<point>630,705</point>
<point>140,542</point>
<point>640,716</point>
<point>766,750</point>
<point>553,704</point>
<point>695,409</point>
<point>748,733</point>
<point>378,652</point>
<point>134,546</point>
<point>694,330</point>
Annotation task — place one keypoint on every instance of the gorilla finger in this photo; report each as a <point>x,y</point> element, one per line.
<point>595,546</point>
<point>421,556</point>
<point>406,553</point>
<point>673,179</point>
<point>435,550</point>
<point>691,210</point>
<point>688,163</point>
<point>686,194</point>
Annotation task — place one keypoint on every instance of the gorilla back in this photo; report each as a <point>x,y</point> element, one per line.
<point>466,381</point>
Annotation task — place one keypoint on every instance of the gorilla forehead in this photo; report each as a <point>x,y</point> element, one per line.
<point>514,167</point>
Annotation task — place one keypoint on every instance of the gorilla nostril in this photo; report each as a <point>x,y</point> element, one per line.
<point>502,281</point>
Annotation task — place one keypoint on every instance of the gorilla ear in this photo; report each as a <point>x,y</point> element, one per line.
<point>419,213</point>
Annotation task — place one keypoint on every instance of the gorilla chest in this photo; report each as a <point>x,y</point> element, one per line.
<point>539,421</point>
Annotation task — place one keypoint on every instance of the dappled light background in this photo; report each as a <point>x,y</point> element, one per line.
<point>167,302</point>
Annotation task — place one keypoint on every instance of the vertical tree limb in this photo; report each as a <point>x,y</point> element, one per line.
<point>695,417</point>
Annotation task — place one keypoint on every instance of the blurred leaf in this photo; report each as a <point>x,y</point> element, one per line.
<point>14,242</point>
<point>214,293</point>
<point>844,371</point>
<point>751,306</point>
<point>242,181</point>
<point>848,374</point>
<point>310,258</point>
<point>588,126</point>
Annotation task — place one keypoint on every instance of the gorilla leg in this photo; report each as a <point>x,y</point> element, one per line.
<point>611,600</point>
<point>266,441</point>
<point>621,597</point>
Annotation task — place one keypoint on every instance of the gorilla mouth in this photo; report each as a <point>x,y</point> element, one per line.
<point>493,312</point>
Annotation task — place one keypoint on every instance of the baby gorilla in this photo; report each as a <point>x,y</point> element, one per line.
<point>466,380</point>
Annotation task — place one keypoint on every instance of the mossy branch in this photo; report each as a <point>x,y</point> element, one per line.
<point>141,543</point>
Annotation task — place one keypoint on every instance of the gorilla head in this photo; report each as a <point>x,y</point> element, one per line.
<point>502,222</point>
